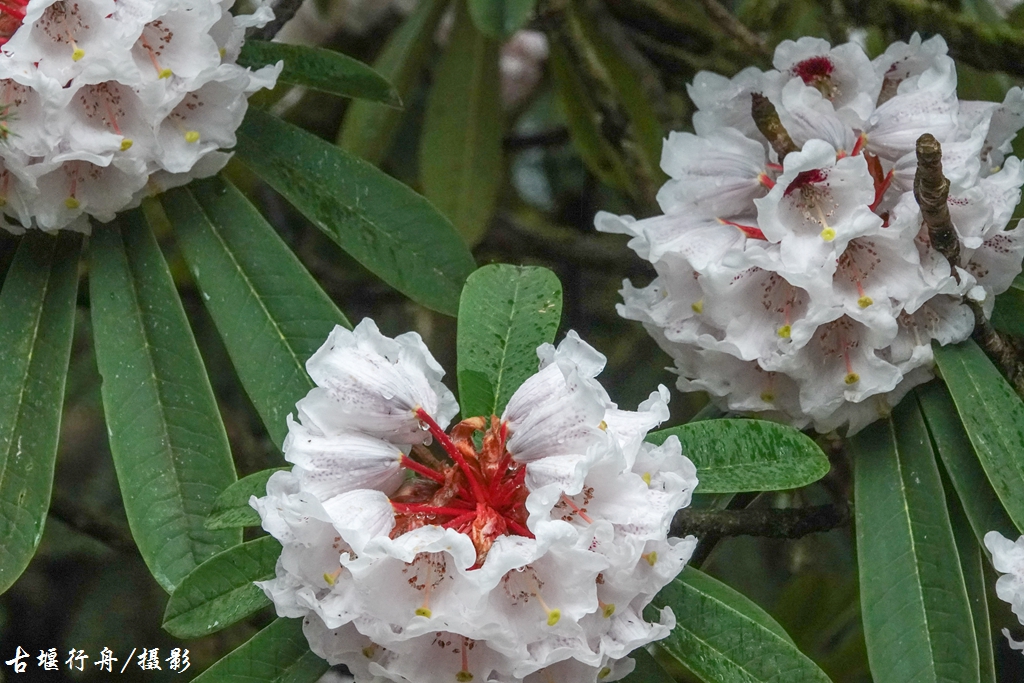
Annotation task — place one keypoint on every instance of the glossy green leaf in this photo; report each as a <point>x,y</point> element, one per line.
<point>506,312</point>
<point>321,69</point>
<point>972,562</point>
<point>232,509</point>
<point>723,637</point>
<point>380,222</point>
<point>501,18</point>
<point>917,619</point>
<point>1008,314</point>
<point>647,669</point>
<point>461,163</point>
<point>169,446</point>
<point>369,129</point>
<point>277,654</point>
<point>221,591</point>
<point>981,504</point>
<point>37,310</point>
<point>270,312</point>
<point>734,455</point>
<point>993,416</point>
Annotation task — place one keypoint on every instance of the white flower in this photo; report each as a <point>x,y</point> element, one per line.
<point>795,275</point>
<point>520,548</point>
<point>1008,560</point>
<point>107,101</point>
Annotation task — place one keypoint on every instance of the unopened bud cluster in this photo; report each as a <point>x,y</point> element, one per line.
<point>519,548</point>
<point>104,102</point>
<point>796,277</point>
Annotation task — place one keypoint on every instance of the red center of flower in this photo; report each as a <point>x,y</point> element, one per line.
<point>481,493</point>
<point>804,179</point>
<point>813,69</point>
<point>12,13</point>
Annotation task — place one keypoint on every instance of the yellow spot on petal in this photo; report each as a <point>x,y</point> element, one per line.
<point>784,331</point>
<point>603,673</point>
<point>126,144</point>
<point>192,136</point>
<point>72,203</point>
<point>865,301</point>
<point>423,612</point>
<point>608,610</point>
<point>697,306</point>
<point>3,201</point>
<point>329,579</point>
<point>553,616</point>
<point>77,54</point>
<point>828,234</point>
<point>222,53</point>
<point>368,651</point>
<point>165,73</point>
<point>851,378</point>
<point>767,397</point>
<point>463,677</point>
<point>646,476</point>
<point>651,557</point>
<point>603,426</point>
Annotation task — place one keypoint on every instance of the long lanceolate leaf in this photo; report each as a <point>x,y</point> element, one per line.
<point>269,311</point>
<point>972,562</point>
<point>980,502</point>
<point>37,313</point>
<point>321,69</point>
<point>380,222</point>
<point>460,150</point>
<point>506,312</point>
<point>723,637</point>
<point>747,455</point>
<point>277,654</point>
<point>917,619</point>
<point>993,416</point>
<point>169,446</point>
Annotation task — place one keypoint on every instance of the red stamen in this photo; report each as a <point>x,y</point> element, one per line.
<point>859,145</point>
<point>411,464</point>
<point>450,448</point>
<point>880,190</point>
<point>406,508</point>
<point>766,181</point>
<point>748,230</point>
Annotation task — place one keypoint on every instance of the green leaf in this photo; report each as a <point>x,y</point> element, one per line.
<point>723,637</point>
<point>992,415</point>
<point>501,18</point>
<point>583,119</point>
<point>1008,314</point>
<point>461,163</point>
<point>169,446</point>
<point>506,312</point>
<point>917,619</point>
<point>270,312</point>
<point>277,654</point>
<point>981,504</point>
<point>647,669</point>
<point>232,509</point>
<point>37,307</point>
<point>221,591</point>
<point>320,69</point>
<point>972,565</point>
<point>369,129</point>
<point>734,455</point>
<point>380,222</point>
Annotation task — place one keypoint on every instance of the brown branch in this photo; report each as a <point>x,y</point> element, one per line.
<point>931,190</point>
<point>767,120</point>
<point>765,522</point>
<point>734,28</point>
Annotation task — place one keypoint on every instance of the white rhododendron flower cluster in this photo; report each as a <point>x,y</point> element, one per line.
<point>796,277</point>
<point>1008,560</point>
<point>518,548</point>
<point>107,101</point>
